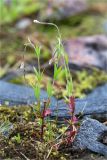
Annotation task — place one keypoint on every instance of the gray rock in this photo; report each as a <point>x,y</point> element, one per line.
<point>18,94</point>
<point>86,52</point>
<point>5,127</point>
<point>105,26</point>
<point>86,107</point>
<point>23,24</point>
<point>60,9</point>
<point>8,2</point>
<point>93,104</point>
<point>88,137</point>
<point>98,92</point>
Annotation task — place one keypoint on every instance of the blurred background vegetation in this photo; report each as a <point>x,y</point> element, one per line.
<point>84,18</point>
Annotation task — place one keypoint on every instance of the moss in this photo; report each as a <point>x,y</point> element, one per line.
<point>16,9</point>
<point>26,127</point>
<point>13,114</point>
<point>79,25</point>
<point>28,148</point>
<point>84,82</point>
<point>87,81</point>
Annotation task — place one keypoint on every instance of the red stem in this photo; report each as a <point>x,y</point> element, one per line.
<point>42,126</point>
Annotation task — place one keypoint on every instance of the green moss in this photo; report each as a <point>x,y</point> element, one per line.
<point>19,131</point>
<point>79,25</point>
<point>86,81</point>
<point>16,9</point>
<point>15,113</point>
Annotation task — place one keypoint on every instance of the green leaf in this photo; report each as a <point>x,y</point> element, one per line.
<point>17,138</point>
<point>66,59</point>
<point>37,51</point>
<point>37,91</point>
<point>49,89</point>
<point>56,71</point>
<point>69,87</point>
<point>39,75</point>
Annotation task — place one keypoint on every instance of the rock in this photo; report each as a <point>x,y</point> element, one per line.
<point>23,24</point>
<point>5,127</point>
<point>95,94</point>
<point>17,73</point>
<point>105,26</point>
<point>87,52</point>
<point>90,132</point>
<point>8,2</point>
<point>58,9</point>
<point>18,94</point>
<point>94,104</point>
<point>99,7</point>
<point>104,138</point>
<point>88,137</point>
<point>93,107</point>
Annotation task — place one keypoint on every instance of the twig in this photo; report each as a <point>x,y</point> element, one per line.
<point>24,156</point>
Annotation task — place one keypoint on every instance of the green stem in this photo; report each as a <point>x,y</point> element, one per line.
<point>39,64</point>
<point>51,24</point>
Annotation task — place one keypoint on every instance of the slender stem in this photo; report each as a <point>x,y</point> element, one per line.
<point>52,24</point>
<point>39,64</point>
<point>46,23</point>
<point>42,128</point>
<point>72,115</point>
<point>39,104</point>
<point>42,125</point>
